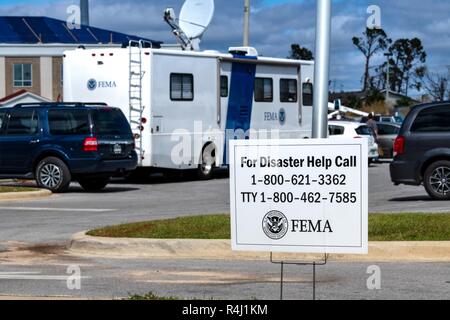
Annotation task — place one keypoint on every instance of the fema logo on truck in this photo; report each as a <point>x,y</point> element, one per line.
<point>282,116</point>
<point>279,116</point>
<point>92,84</point>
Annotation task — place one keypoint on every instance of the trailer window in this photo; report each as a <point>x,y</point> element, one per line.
<point>263,90</point>
<point>288,90</point>
<point>181,87</point>
<point>223,86</point>
<point>308,94</point>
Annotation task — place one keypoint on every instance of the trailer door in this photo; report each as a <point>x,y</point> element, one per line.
<point>240,102</point>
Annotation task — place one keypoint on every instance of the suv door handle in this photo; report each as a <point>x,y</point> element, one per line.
<point>34,141</point>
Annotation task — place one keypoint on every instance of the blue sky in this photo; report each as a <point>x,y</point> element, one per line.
<point>275,25</point>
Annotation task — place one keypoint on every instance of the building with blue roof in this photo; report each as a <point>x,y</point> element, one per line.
<point>32,48</point>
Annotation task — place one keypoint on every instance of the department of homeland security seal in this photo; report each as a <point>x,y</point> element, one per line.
<point>92,84</point>
<point>275,225</point>
<point>282,116</point>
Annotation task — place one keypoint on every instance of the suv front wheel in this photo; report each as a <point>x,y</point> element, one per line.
<point>437,180</point>
<point>53,174</point>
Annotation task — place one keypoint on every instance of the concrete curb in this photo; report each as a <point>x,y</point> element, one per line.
<point>10,196</point>
<point>221,250</point>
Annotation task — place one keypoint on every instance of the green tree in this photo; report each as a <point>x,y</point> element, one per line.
<point>374,96</point>
<point>407,64</point>
<point>300,53</point>
<point>371,43</point>
<point>404,102</point>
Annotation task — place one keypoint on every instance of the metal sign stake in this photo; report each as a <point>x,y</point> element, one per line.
<point>314,264</point>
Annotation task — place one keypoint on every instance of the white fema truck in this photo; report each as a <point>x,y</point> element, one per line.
<point>184,106</point>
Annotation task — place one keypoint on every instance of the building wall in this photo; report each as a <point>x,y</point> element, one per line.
<point>57,81</point>
<point>2,77</point>
<point>36,70</point>
<point>47,77</point>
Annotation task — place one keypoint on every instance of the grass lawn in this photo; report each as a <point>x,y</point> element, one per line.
<point>152,297</point>
<point>382,227</point>
<point>16,189</point>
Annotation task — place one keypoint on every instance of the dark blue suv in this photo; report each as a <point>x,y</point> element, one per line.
<point>57,143</point>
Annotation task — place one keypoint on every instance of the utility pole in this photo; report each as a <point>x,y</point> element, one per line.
<point>388,74</point>
<point>247,23</point>
<point>84,9</point>
<point>322,69</point>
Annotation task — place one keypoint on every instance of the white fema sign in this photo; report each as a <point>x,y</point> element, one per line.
<point>305,196</point>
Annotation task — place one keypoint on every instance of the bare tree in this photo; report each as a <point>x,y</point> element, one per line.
<point>437,85</point>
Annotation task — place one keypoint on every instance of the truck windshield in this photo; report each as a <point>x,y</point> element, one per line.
<point>110,122</point>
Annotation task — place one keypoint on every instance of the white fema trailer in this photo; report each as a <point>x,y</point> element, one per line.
<point>184,106</point>
<point>191,100</point>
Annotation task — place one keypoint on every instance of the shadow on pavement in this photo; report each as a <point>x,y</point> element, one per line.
<point>414,198</point>
<point>166,176</point>
<point>109,189</point>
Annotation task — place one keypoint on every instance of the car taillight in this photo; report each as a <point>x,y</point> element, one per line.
<point>399,146</point>
<point>90,145</point>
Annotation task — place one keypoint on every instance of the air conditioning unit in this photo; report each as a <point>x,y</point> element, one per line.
<point>243,51</point>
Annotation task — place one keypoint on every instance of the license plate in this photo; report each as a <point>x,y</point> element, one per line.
<point>117,149</point>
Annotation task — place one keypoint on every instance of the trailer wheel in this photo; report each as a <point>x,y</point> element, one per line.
<point>207,164</point>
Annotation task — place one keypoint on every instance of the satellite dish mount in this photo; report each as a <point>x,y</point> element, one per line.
<point>195,18</point>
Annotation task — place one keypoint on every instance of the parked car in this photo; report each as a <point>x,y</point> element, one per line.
<point>422,150</point>
<point>397,119</point>
<point>387,133</point>
<point>56,143</point>
<point>348,129</point>
<point>389,119</point>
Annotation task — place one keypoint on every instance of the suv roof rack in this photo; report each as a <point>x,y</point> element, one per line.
<point>61,104</point>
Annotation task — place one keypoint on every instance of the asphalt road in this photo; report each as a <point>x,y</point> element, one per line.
<point>33,235</point>
<point>55,219</point>
<point>115,279</point>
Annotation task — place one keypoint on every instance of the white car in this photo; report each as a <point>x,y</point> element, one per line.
<point>347,129</point>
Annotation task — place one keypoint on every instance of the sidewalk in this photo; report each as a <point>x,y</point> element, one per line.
<point>221,250</point>
<point>11,196</point>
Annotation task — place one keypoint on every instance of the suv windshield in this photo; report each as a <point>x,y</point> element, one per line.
<point>110,122</point>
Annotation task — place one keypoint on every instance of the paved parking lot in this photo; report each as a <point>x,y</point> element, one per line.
<point>55,219</point>
<point>33,236</point>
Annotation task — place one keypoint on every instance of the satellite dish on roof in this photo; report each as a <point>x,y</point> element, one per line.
<point>195,18</point>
